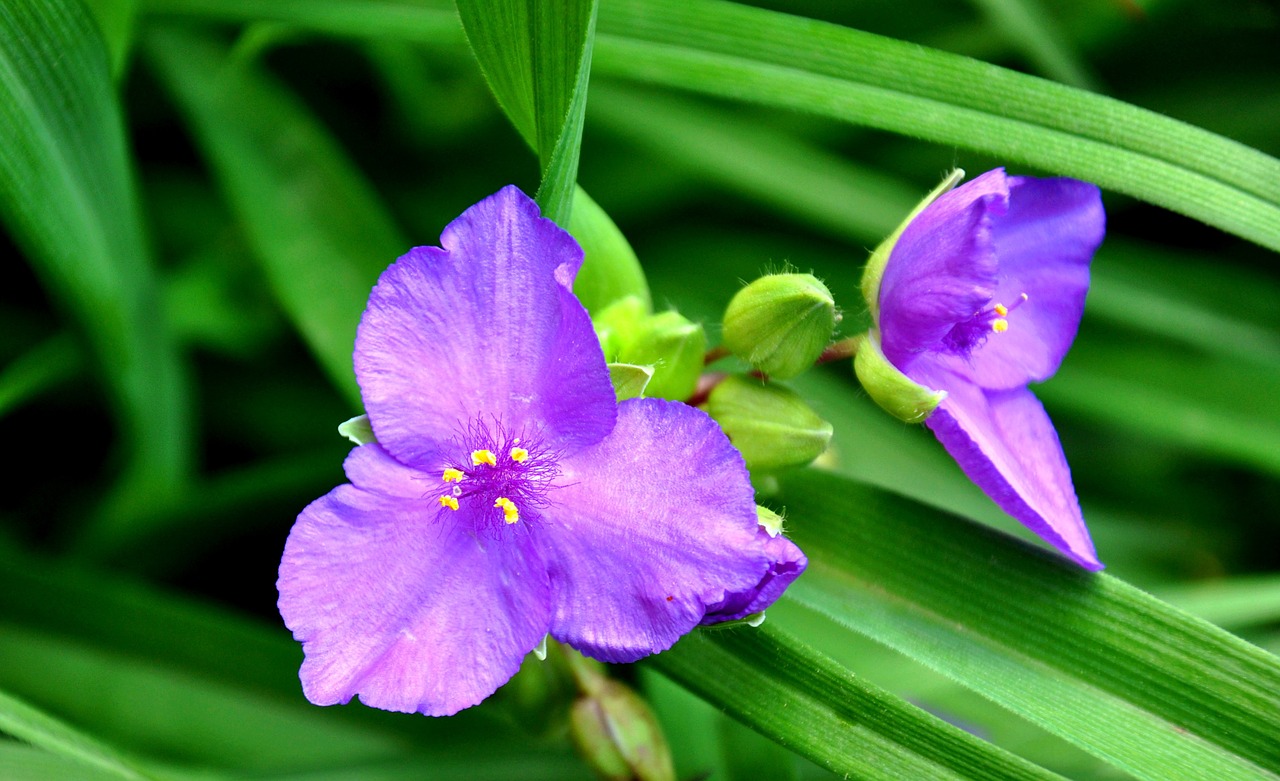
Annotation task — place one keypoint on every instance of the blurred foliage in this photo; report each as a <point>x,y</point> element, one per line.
<point>198,195</point>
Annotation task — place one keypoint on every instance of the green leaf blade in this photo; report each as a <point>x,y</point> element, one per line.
<point>811,705</point>
<point>1139,684</point>
<point>68,197</point>
<point>778,60</point>
<point>537,59</point>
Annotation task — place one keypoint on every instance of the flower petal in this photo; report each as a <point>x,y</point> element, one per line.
<point>942,270</point>
<point>1006,444</point>
<point>409,612</point>
<point>787,562</point>
<point>485,328</point>
<point>1044,244</point>
<point>637,551</point>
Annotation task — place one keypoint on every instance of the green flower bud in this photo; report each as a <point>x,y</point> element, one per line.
<point>874,271</point>
<point>770,425</point>
<point>610,269</point>
<point>629,380</point>
<point>675,348</point>
<point>901,396</point>
<point>618,735</point>
<point>780,323</point>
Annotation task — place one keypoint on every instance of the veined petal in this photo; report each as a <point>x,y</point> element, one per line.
<point>485,328</point>
<point>1006,444</point>
<point>1044,245</point>
<point>942,270</point>
<point>638,551</point>
<point>786,564</point>
<point>409,612</point>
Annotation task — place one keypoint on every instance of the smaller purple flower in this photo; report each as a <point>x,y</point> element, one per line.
<point>982,293</point>
<point>508,495</point>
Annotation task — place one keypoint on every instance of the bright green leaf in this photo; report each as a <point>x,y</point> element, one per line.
<point>537,58</point>
<point>813,706</point>
<point>1147,688</point>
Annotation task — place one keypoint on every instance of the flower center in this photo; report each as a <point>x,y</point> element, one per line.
<point>969,335</point>
<point>498,479</point>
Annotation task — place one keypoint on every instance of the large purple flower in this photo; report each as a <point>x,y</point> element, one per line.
<point>508,496</point>
<point>982,293</point>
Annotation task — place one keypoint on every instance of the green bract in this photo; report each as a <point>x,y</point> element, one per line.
<point>780,323</point>
<point>896,392</point>
<point>668,342</point>
<point>770,425</point>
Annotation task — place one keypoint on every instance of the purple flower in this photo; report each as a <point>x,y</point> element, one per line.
<point>508,495</point>
<point>982,294</point>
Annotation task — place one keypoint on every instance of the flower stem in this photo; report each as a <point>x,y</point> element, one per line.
<point>839,351</point>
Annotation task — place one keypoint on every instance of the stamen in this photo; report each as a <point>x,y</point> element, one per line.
<point>519,455</point>
<point>479,457</point>
<point>1001,309</point>
<point>449,501</point>
<point>452,475</point>
<point>999,325</point>
<point>510,513</point>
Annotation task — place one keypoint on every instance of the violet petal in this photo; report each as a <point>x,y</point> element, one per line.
<point>396,603</point>
<point>1006,444</point>
<point>1043,245</point>
<point>942,271</point>
<point>786,564</point>
<point>486,327</point>
<point>650,527</point>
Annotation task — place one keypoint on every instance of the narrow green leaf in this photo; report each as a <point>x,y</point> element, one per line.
<point>813,706</point>
<point>1233,603</point>
<point>69,201</point>
<point>1149,689</point>
<point>1027,26</point>
<point>19,762</point>
<point>784,61</point>
<point>537,58</point>
<point>779,60</point>
<point>1207,404</point>
<point>22,721</point>
<point>315,224</point>
<point>705,141</point>
<point>44,366</point>
<point>143,705</point>
<point>427,21</point>
<point>115,20</point>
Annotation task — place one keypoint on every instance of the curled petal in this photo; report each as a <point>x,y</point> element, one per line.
<point>786,564</point>
<point>408,611</point>
<point>486,327</point>
<point>653,525</point>
<point>1006,444</point>
<point>942,270</point>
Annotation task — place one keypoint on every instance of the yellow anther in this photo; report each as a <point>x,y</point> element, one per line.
<point>479,457</point>
<point>449,501</point>
<point>1001,309</point>
<point>1000,325</point>
<point>519,454</point>
<point>452,475</point>
<point>509,512</point>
